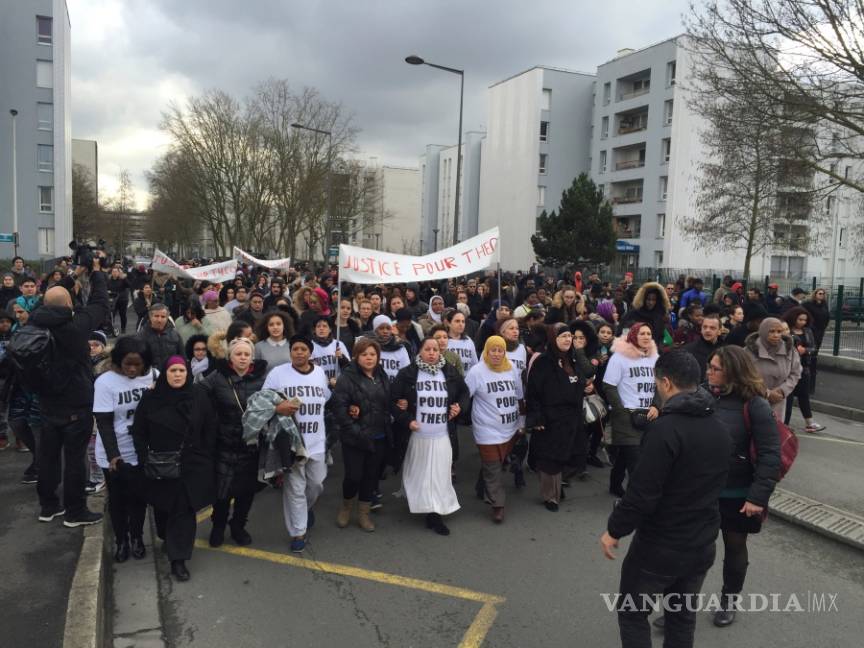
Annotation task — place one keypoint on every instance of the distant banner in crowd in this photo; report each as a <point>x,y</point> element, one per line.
<point>359,265</point>
<point>245,257</point>
<point>214,272</point>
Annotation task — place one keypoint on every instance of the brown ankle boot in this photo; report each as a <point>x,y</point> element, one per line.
<point>363,519</point>
<point>344,515</point>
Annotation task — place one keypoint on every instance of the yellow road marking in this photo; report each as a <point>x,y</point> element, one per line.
<point>473,637</point>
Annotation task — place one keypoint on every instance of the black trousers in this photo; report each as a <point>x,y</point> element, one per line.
<point>121,308</point>
<point>661,572</point>
<point>242,506</point>
<point>177,529</point>
<point>64,440</point>
<point>362,470</point>
<point>802,392</point>
<point>125,505</point>
<point>626,458</point>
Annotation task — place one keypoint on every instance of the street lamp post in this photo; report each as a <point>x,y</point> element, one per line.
<point>435,232</point>
<point>416,60</point>
<point>14,114</point>
<point>329,178</point>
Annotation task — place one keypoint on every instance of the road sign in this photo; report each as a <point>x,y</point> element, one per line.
<point>7,238</point>
<point>333,251</point>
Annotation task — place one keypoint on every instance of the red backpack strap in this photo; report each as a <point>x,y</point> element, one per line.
<point>747,416</point>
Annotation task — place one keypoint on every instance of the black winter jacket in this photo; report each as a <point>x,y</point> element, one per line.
<point>554,401</point>
<point>70,331</point>
<point>191,426</point>
<point>672,498</point>
<point>761,478</point>
<point>163,344</point>
<point>236,462</point>
<point>372,396</point>
<point>700,349</point>
<point>821,317</point>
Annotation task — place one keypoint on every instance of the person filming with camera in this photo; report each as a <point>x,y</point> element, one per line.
<point>52,356</point>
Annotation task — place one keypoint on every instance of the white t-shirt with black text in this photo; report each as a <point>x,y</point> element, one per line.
<point>633,378</point>
<point>518,358</point>
<point>313,390</point>
<point>325,356</point>
<point>495,409</point>
<point>116,394</point>
<point>393,361</point>
<point>466,351</point>
<point>432,408</point>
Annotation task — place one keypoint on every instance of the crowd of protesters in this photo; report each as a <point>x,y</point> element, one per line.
<point>224,389</point>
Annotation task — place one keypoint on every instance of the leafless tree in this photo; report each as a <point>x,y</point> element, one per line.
<point>803,62</point>
<point>86,211</point>
<point>176,218</point>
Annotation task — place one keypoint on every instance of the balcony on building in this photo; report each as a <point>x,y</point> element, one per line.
<point>630,157</point>
<point>628,227</point>
<point>626,193</point>
<point>634,85</point>
<point>632,121</point>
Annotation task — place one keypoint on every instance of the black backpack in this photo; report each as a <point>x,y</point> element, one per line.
<point>33,352</point>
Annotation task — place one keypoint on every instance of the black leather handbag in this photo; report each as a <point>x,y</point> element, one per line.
<point>162,464</point>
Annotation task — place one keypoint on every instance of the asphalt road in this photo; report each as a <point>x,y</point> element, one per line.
<point>829,463</point>
<point>536,580</point>
<point>39,560</point>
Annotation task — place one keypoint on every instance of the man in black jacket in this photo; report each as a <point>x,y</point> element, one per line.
<point>709,340</point>
<point>672,505</point>
<point>160,334</point>
<point>67,419</point>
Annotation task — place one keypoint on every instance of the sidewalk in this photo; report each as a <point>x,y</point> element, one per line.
<point>39,561</point>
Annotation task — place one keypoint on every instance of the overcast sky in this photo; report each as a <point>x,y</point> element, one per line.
<point>131,57</point>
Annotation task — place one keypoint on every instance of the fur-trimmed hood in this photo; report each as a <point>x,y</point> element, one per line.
<point>622,346</point>
<point>216,345</point>
<point>644,289</point>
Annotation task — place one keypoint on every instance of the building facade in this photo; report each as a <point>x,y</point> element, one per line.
<point>537,141</point>
<point>391,214</point>
<point>85,155</point>
<point>35,71</point>
<point>429,164</point>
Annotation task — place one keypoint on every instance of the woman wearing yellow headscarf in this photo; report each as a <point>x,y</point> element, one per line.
<point>497,392</point>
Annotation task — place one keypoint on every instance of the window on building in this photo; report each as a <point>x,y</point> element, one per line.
<point>45,157</point>
<point>541,196</point>
<point>661,226</point>
<point>664,187</point>
<point>658,259</point>
<point>667,111</point>
<point>841,238</point>
<point>607,93</point>
<point>602,161</point>
<point>665,150</point>
<point>604,128</point>
<point>670,73</point>
<point>544,131</point>
<point>45,116</point>
<point>787,267</point>
<point>43,30</point>
<point>830,204</point>
<point>44,74</point>
<point>847,172</point>
<point>546,101</point>
<point>601,189</point>
<point>46,199</point>
<point>46,241</point>
<point>543,162</point>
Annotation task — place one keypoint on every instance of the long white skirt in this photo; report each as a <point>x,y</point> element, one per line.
<point>426,475</point>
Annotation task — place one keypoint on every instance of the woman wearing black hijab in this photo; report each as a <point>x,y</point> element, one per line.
<point>174,423</point>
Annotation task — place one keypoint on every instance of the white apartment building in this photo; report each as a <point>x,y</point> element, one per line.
<point>35,71</point>
<point>537,142</point>
<point>391,218</point>
<point>469,191</point>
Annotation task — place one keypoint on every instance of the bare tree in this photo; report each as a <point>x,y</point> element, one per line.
<point>803,62</point>
<point>116,214</point>
<point>175,220</point>
<point>86,212</point>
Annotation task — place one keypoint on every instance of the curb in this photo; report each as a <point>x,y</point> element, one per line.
<point>825,520</point>
<point>842,411</point>
<point>85,616</point>
<point>841,364</point>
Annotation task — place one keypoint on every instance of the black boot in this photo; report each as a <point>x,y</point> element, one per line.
<point>725,616</point>
<point>217,535</point>
<point>179,571</point>
<point>435,522</point>
<point>121,555</point>
<point>138,550</point>
<point>239,534</point>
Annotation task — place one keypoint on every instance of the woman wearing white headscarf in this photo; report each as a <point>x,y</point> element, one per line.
<point>434,315</point>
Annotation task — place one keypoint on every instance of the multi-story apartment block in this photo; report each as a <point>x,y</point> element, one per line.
<point>34,104</point>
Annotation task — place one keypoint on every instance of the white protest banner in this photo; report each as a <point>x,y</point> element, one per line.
<point>214,272</point>
<point>363,266</point>
<point>245,257</point>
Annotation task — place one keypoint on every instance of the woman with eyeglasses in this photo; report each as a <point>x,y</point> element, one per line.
<point>737,384</point>
<point>820,317</point>
<point>201,363</point>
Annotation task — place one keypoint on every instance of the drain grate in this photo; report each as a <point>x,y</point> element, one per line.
<point>827,520</point>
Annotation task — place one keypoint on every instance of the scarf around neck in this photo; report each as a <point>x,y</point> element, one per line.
<point>432,369</point>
